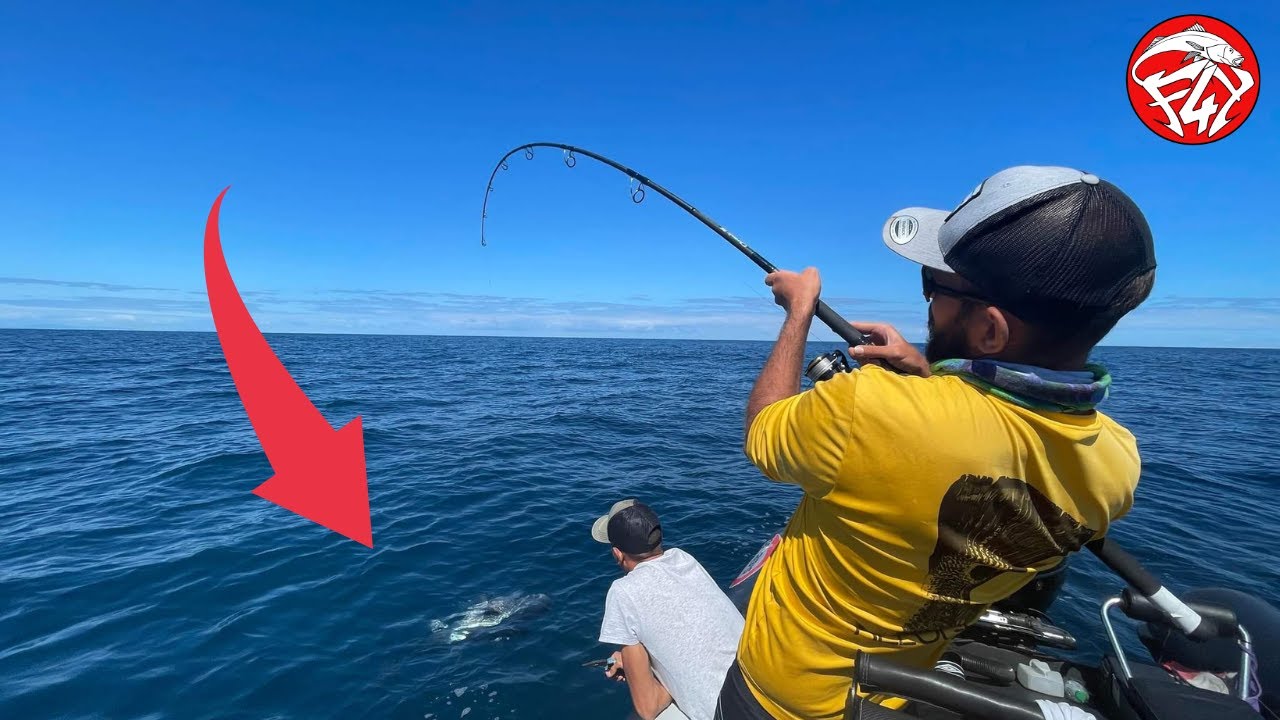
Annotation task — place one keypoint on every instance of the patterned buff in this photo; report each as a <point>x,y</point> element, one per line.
<point>1032,387</point>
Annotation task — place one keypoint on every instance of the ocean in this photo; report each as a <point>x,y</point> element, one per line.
<point>140,578</point>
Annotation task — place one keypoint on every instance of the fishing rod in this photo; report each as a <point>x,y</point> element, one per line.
<point>829,317</point>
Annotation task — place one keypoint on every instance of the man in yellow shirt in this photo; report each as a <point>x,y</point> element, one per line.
<point>933,491</point>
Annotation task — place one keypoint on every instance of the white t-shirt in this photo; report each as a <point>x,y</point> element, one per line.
<point>685,621</point>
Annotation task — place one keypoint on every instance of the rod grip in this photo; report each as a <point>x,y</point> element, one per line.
<point>1125,565</point>
<point>1216,621</point>
<point>1152,591</point>
<point>839,325</point>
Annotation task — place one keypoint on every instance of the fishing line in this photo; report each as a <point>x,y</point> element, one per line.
<point>639,184</point>
<point>808,338</point>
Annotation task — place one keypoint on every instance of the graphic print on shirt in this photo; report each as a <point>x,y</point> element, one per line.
<point>987,527</point>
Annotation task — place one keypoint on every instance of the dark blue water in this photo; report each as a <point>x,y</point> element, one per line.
<point>140,578</point>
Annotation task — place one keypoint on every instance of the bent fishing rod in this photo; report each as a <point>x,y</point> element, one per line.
<point>829,317</point>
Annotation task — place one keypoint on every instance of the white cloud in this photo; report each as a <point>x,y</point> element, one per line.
<point>26,302</point>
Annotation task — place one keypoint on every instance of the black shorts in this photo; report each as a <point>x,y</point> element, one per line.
<point>737,703</point>
<point>736,700</point>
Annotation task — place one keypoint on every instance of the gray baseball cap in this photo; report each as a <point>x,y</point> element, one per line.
<point>1044,242</point>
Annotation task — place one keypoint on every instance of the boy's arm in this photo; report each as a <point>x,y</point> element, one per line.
<point>647,694</point>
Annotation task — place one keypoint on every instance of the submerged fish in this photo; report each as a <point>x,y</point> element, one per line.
<point>495,617</point>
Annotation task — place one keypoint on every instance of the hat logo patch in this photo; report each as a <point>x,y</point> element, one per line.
<point>903,228</point>
<point>968,199</point>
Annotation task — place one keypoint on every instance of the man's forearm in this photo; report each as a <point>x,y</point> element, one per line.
<point>780,377</point>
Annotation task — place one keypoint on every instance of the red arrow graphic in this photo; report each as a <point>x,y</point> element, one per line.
<point>320,473</point>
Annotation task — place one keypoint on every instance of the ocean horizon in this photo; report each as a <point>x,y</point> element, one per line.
<point>834,341</point>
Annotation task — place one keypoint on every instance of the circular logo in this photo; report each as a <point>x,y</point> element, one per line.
<point>1193,79</point>
<point>903,228</point>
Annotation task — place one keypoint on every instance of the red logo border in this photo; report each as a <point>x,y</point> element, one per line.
<point>1128,69</point>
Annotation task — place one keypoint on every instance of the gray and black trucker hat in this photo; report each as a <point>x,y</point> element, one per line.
<point>630,526</point>
<point>1043,242</point>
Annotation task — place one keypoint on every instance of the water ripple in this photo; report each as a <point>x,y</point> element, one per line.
<point>146,580</point>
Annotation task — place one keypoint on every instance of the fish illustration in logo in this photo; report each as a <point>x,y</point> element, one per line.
<point>1197,43</point>
<point>1222,53</point>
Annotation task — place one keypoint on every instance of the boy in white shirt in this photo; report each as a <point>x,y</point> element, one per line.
<point>672,619</point>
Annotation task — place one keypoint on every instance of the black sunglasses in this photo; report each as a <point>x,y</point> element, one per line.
<point>930,286</point>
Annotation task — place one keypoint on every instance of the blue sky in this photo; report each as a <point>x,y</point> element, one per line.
<point>357,141</point>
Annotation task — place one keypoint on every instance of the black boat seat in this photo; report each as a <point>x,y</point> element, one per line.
<point>1155,695</point>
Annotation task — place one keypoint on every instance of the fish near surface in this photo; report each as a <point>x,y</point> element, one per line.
<point>495,618</point>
